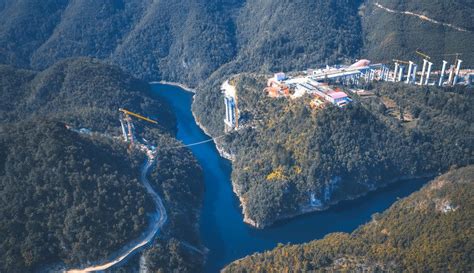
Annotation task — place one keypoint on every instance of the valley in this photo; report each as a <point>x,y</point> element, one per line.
<point>339,152</point>
<point>188,43</point>
<point>77,198</point>
<point>262,124</point>
<point>222,228</point>
<point>434,221</point>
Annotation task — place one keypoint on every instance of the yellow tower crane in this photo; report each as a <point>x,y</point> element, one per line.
<point>424,55</point>
<point>128,130</point>
<point>126,112</point>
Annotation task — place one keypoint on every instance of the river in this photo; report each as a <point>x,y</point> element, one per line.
<point>221,225</point>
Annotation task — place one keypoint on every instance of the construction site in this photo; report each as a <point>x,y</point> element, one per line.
<point>335,84</point>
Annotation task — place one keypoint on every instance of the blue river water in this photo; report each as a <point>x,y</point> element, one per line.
<point>221,226</point>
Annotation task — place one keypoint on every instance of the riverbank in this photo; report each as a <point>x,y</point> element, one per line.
<point>231,158</point>
<point>224,229</point>
<point>177,84</point>
<point>304,210</point>
<point>308,209</point>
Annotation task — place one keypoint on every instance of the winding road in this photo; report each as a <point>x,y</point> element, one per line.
<point>422,17</point>
<point>158,219</point>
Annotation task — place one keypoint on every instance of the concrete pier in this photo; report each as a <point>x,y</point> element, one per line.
<point>410,67</point>
<point>428,74</point>
<point>425,62</point>
<point>458,69</point>
<point>443,71</point>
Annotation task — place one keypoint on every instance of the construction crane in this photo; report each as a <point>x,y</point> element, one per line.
<point>424,55</point>
<point>400,61</point>
<point>126,112</point>
<point>399,69</point>
<point>457,55</point>
<point>454,69</point>
<point>130,128</point>
<point>427,64</point>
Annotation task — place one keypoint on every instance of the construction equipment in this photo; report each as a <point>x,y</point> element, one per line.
<point>454,69</point>
<point>399,70</point>
<point>128,131</point>
<point>426,64</point>
<point>424,55</point>
<point>457,55</point>
<point>126,112</point>
<point>401,62</point>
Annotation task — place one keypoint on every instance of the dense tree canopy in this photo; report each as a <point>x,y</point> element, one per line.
<point>180,40</point>
<point>388,35</point>
<point>286,152</point>
<point>65,196</point>
<point>76,198</point>
<point>431,230</point>
<point>186,42</point>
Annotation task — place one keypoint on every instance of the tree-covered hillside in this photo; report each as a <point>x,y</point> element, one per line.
<point>389,35</point>
<point>429,231</point>
<point>186,41</point>
<point>179,40</point>
<point>82,92</point>
<point>77,198</point>
<point>290,159</point>
<point>65,197</point>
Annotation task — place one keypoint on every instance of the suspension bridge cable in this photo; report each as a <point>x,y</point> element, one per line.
<point>194,144</point>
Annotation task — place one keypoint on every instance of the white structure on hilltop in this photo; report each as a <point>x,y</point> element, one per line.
<point>231,119</point>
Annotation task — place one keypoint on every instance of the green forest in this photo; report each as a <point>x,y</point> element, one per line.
<point>388,36</point>
<point>179,182</point>
<point>74,199</point>
<point>65,197</point>
<point>187,42</point>
<point>429,231</point>
<point>286,152</point>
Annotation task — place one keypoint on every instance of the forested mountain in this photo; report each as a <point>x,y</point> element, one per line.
<point>388,35</point>
<point>83,92</point>
<point>77,198</point>
<point>65,197</point>
<point>429,231</point>
<point>290,159</point>
<point>201,43</point>
<point>186,41</point>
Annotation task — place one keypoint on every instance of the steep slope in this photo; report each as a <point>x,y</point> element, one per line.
<point>397,35</point>
<point>83,92</point>
<point>88,28</point>
<point>25,26</point>
<point>289,159</point>
<point>289,35</point>
<point>76,198</point>
<point>65,197</point>
<point>186,41</point>
<point>179,41</point>
<point>431,230</point>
